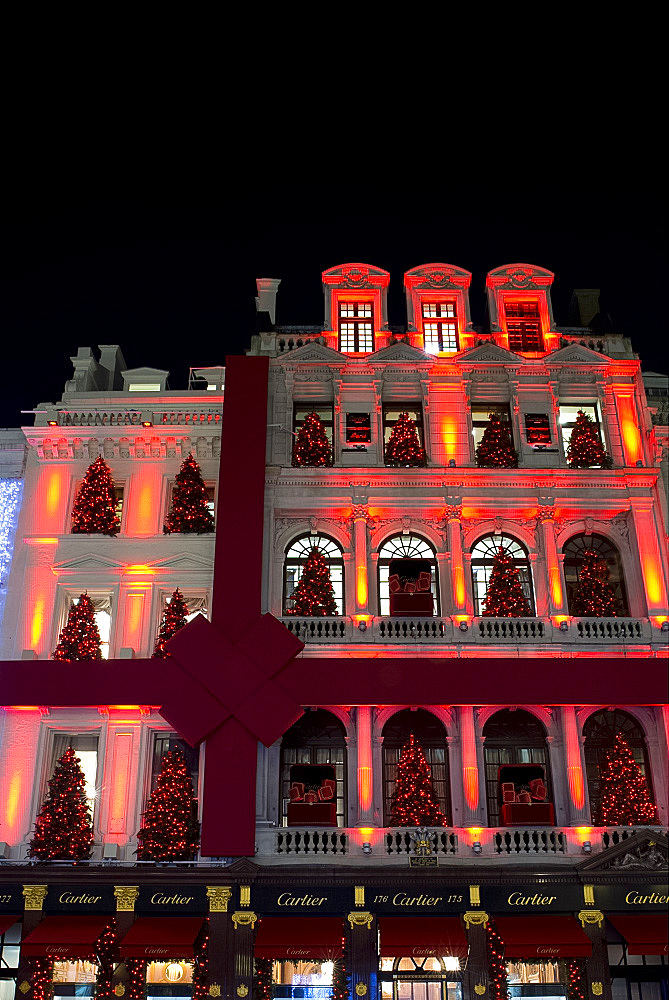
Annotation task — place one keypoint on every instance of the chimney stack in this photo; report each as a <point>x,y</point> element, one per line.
<point>266,298</point>
<point>584,305</point>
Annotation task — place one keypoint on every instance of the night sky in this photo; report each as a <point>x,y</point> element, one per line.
<point>167,270</point>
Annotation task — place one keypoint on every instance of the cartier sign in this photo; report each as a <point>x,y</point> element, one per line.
<point>632,897</point>
<point>11,899</point>
<point>173,899</point>
<point>546,897</point>
<point>80,899</point>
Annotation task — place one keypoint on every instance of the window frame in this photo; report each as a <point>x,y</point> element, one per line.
<point>191,754</point>
<point>336,584</point>
<point>441,322</point>
<point>395,742</point>
<point>415,410</point>
<point>478,424</point>
<point>591,408</point>
<point>50,759</point>
<point>572,564</point>
<point>522,344</point>
<point>313,747</point>
<point>356,322</point>
<point>72,594</point>
<point>210,485</point>
<point>514,747</point>
<point>311,406</point>
<point>383,564</point>
<point>498,541</point>
<point>595,749</point>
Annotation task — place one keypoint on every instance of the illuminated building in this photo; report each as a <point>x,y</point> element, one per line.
<point>490,700</point>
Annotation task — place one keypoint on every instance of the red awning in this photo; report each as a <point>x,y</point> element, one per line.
<point>645,933</point>
<point>419,937</point>
<point>65,937</point>
<point>318,938</point>
<point>6,921</point>
<point>545,937</point>
<point>156,938</point>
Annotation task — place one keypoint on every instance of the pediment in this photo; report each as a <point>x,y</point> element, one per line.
<point>491,353</point>
<point>644,852</point>
<point>313,351</point>
<point>184,561</point>
<point>400,351</point>
<point>244,866</point>
<point>576,354</point>
<point>88,561</point>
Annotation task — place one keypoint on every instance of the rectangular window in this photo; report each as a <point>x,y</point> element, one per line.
<point>440,327</point>
<point>391,413</point>
<point>481,415</point>
<point>567,419</point>
<point>165,742</point>
<point>358,428</point>
<point>537,428</point>
<point>313,755</point>
<point>85,746</point>
<point>210,489</point>
<point>119,491</point>
<point>436,758</point>
<point>356,327</point>
<point>523,325</point>
<point>325,412</point>
<point>102,612</point>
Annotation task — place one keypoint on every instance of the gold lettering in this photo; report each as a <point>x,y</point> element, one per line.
<point>67,897</point>
<point>401,899</point>
<point>161,900</point>
<point>633,898</point>
<point>285,899</point>
<point>517,899</point>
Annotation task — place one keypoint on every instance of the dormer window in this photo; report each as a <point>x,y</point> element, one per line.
<point>523,325</point>
<point>356,327</point>
<point>440,327</point>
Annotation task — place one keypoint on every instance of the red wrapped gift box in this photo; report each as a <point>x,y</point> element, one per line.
<point>527,814</point>
<point>312,814</point>
<point>411,604</point>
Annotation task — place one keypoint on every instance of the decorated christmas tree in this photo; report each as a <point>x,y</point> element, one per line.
<point>496,447</point>
<point>624,799</point>
<point>170,831</point>
<point>174,618</point>
<point>201,964</point>
<point>340,980</point>
<point>403,447</point>
<point>311,445</point>
<point>136,978</point>
<point>107,955</point>
<point>80,638</point>
<point>504,596</point>
<point>594,596</point>
<point>314,597</point>
<point>585,447</point>
<point>499,985</point>
<point>575,980</point>
<point>414,801</point>
<point>42,978</point>
<point>189,513</point>
<point>262,984</point>
<point>94,509</point>
<point>64,827</point>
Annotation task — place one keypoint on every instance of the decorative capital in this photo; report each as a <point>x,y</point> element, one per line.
<point>214,990</point>
<point>219,896</point>
<point>591,917</point>
<point>34,896</point>
<point>475,918</point>
<point>597,989</point>
<point>361,989</point>
<point>126,897</point>
<point>474,895</point>
<point>359,895</point>
<point>453,512</point>
<point>242,990</point>
<point>244,918</point>
<point>479,989</point>
<point>363,919</point>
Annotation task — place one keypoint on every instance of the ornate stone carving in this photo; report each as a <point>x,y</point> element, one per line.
<point>359,895</point>
<point>475,918</point>
<point>423,842</point>
<point>453,512</point>
<point>34,896</point>
<point>219,897</point>
<point>647,856</point>
<point>474,895</point>
<point>479,989</point>
<point>621,524</point>
<point>214,990</point>
<point>244,918</point>
<point>597,989</point>
<point>356,277</point>
<point>362,919</point>
<point>361,990</point>
<point>591,917</point>
<point>126,896</point>
<point>242,990</point>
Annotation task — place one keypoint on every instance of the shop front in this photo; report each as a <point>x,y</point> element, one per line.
<point>301,956</point>
<point>421,958</point>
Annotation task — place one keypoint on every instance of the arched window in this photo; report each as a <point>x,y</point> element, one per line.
<point>297,554</point>
<point>573,560</point>
<point>318,738</point>
<point>431,735</point>
<point>483,556</point>
<point>512,737</point>
<point>406,547</point>
<point>599,734</point>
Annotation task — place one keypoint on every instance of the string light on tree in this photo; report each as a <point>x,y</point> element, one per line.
<point>262,986</point>
<point>64,827</point>
<point>107,954</point>
<point>136,978</point>
<point>170,831</point>
<point>403,447</point>
<point>504,594</point>
<point>585,448</point>
<point>495,449</point>
<point>340,978</point>
<point>174,618</point>
<point>42,978</point>
<point>94,508</point>
<point>201,964</point>
<point>499,984</point>
<point>189,513</point>
<point>575,980</point>
<point>311,445</point>
<point>414,801</point>
<point>624,797</point>
<point>594,596</point>
<point>314,595</point>
<point>80,638</point>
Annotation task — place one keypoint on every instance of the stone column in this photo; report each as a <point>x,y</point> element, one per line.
<point>221,969</point>
<point>377,775</point>
<point>352,806</point>
<point>559,782</point>
<point>557,604</point>
<point>473,801</point>
<point>359,515</point>
<point>363,951</point>
<point>597,965</point>
<point>647,539</point>
<point>578,811</point>
<point>475,981</point>
<point>458,594</point>
<point>244,922</point>
<point>365,770</point>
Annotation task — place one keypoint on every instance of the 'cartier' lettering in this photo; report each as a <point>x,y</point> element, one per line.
<point>548,951</point>
<point>634,898</point>
<point>517,899</point>
<point>401,899</point>
<point>67,897</point>
<point>159,899</point>
<point>285,899</point>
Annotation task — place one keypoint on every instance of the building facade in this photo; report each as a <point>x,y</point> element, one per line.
<point>410,550</point>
